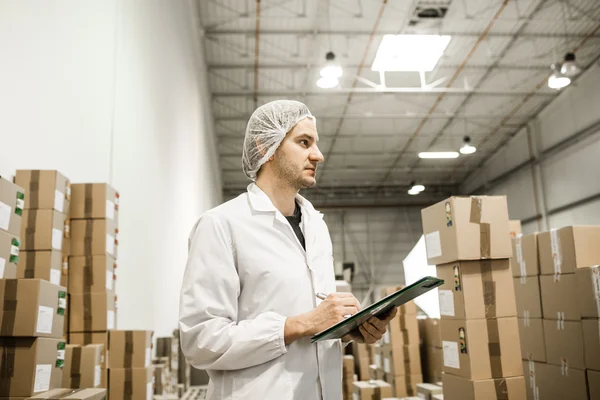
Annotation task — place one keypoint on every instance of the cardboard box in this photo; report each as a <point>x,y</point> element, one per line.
<point>83,366</point>
<point>467,228</point>
<point>476,289</point>
<point>435,364</point>
<point>528,297</point>
<point>564,343</point>
<point>593,378</point>
<point>409,308</point>
<point>588,291</point>
<point>32,307</point>
<point>428,390</point>
<point>91,274</point>
<point>481,349</point>
<point>591,343</point>
<point>86,338</point>
<point>94,237</point>
<point>371,390</point>
<point>560,297</point>
<point>404,385</point>
<point>70,394</point>
<point>404,360</point>
<point>130,349</point>
<point>512,388</point>
<point>49,265</point>
<point>524,261</point>
<point>514,226</point>
<point>438,397</point>
<point>30,365</point>
<point>131,384</point>
<point>431,332</point>
<point>160,379</point>
<point>12,203</point>
<point>375,373</point>
<point>531,333</point>
<point>92,312</point>
<point>550,382</point>
<point>95,201</point>
<point>9,255</point>
<point>42,230</point>
<point>564,250</point>
<point>402,330</point>
<point>46,190</point>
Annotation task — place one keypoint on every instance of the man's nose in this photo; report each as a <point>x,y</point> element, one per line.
<point>316,155</point>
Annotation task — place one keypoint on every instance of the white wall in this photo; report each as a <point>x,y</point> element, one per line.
<point>115,91</point>
<point>568,182</point>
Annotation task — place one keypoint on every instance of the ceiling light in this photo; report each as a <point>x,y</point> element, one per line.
<point>467,148</point>
<point>569,67</point>
<point>438,154</point>
<point>409,52</point>
<point>416,188</point>
<point>413,192</point>
<point>557,80</point>
<point>330,73</point>
<point>327,83</point>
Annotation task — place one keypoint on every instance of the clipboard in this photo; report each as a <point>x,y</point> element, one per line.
<point>380,307</point>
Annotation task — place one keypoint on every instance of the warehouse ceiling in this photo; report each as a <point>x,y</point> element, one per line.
<point>490,81</point>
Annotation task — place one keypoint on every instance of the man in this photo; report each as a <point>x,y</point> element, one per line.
<point>248,302</point>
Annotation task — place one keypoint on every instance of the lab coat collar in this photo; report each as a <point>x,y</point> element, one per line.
<point>261,202</point>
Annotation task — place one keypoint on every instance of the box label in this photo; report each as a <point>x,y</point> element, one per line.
<point>5,212</point>
<point>97,376</point>
<point>386,365</point>
<point>355,396</point>
<point>45,319</point>
<point>378,360</point>
<point>2,266</point>
<point>446,302</point>
<point>110,244</point>
<point>148,357</point>
<point>556,253</point>
<point>451,359</point>
<point>57,237</point>
<point>110,319</point>
<point>43,372</point>
<point>59,201</point>
<point>110,210</point>
<point>55,276</point>
<point>109,280</point>
<point>433,244</point>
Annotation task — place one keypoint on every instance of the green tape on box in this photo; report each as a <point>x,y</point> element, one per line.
<point>20,203</point>
<point>14,251</point>
<point>62,303</point>
<point>60,357</point>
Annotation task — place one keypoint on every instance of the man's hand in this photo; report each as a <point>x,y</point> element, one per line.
<point>372,330</point>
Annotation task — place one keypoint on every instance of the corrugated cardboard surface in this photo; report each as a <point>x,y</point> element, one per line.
<point>514,227</point>
<point>43,230</point>
<point>92,338</point>
<point>30,308</point>
<point>46,190</point>
<point>402,330</point>
<point>130,349</point>
<point>371,390</point>
<point>92,312</point>
<point>476,289</point>
<point>591,343</point>
<point>467,228</point>
<point>552,383</point>
<point>588,291</point>
<point>81,394</point>
<point>577,248</point>
<point>95,237</point>
<point>83,366</point>
<point>512,388</point>
<point>430,332</point>
<point>9,255</point>
<point>564,343</point>
<point>593,378</point>
<point>404,385</point>
<point>528,297</point>
<point>560,295</point>
<point>95,201</point>
<point>131,384</point>
<point>46,265</point>
<point>491,349</point>
<point>531,333</point>
<point>524,261</point>
<point>29,366</point>
<point>428,390</point>
<point>404,360</point>
<point>434,364</point>
<point>11,207</point>
<point>91,274</point>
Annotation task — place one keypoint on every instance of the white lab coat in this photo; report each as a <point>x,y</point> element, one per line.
<point>247,272</point>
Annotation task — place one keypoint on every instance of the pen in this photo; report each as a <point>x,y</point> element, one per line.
<point>323,296</point>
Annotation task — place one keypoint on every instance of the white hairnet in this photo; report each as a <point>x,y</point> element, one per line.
<point>266,129</point>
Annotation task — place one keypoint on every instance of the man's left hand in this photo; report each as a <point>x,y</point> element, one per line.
<point>372,330</point>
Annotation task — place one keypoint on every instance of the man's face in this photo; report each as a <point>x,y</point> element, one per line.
<point>295,161</point>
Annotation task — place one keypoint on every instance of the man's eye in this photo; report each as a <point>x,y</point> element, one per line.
<point>304,142</point>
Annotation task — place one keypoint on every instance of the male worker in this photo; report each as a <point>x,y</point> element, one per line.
<point>248,302</point>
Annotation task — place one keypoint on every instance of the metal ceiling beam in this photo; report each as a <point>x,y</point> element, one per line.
<point>371,91</point>
<point>507,67</point>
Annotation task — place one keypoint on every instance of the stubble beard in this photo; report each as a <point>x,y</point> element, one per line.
<point>286,172</point>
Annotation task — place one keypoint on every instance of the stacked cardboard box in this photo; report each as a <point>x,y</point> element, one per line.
<point>83,367</point>
<point>363,357</point>
<point>69,394</point>
<point>469,241</point>
<point>130,371</point>
<point>183,367</point>
<point>167,356</point>
<point>371,390</point>
<point>347,377</point>
<point>431,349</point>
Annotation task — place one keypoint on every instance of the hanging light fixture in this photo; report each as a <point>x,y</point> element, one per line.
<point>467,148</point>
<point>330,73</point>
<point>569,67</point>
<point>557,80</point>
<point>415,189</point>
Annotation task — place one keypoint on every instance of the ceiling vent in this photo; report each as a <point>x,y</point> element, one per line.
<point>428,14</point>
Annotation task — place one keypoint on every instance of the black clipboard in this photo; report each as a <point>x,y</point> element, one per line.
<point>380,307</point>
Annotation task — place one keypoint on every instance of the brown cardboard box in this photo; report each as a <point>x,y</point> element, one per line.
<point>531,333</point>
<point>375,373</point>
<point>409,308</point>
<point>512,388</point>
<point>432,335</point>
<point>476,289</point>
<point>471,357</point>
<point>85,338</point>
<point>9,255</point>
<point>524,261</point>
<point>564,343</point>
<point>94,237</point>
<point>402,330</point>
<point>404,385</point>
<point>46,190</point>
<point>593,378</point>
<point>32,307</point>
<point>435,364</point>
<point>42,230</point>
<point>371,390</point>
<point>30,365</point>
<point>12,204</point>
<point>560,297</point>
<point>69,394</point>
<point>574,247</point>
<point>95,201</point>
<point>591,343</point>
<point>160,379</point>
<point>139,380</point>
<point>588,291</point>
<point>404,360</point>
<point>83,366</point>
<point>551,383</point>
<point>514,226</point>
<point>467,228</point>
<point>362,359</point>
<point>92,312</point>
<point>428,390</point>
<point>347,376</point>
<point>48,265</point>
<point>529,299</point>
<point>91,274</point>
<point>130,349</point>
